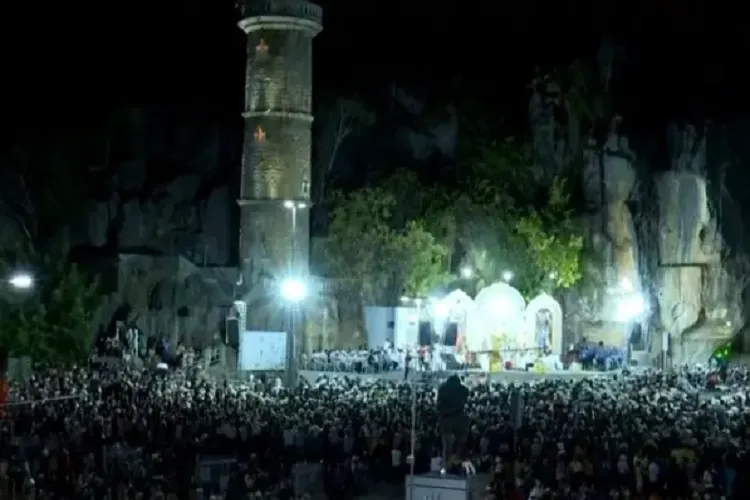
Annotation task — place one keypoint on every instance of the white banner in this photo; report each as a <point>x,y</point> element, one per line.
<point>262,351</point>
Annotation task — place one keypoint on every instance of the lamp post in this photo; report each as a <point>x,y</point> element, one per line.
<point>293,291</point>
<point>293,206</point>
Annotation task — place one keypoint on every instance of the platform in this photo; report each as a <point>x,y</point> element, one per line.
<point>436,486</point>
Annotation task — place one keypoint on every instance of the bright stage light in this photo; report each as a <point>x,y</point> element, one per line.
<point>507,276</point>
<point>502,306</point>
<point>441,309</point>
<point>630,308</point>
<point>293,289</point>
<point>467,272</point>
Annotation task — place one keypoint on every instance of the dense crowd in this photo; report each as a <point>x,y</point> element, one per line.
<point>588,356</point>
<point>123,432</point>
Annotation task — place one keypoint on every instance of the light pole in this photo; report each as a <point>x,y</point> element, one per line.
<point>293,291</point>
<point>293,206</point>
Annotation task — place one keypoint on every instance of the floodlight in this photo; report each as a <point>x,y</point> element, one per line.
<point>467,272</point>
<point>630,308</point>
<point>289,204</point>
<point>507,276</point>
<point>293,289</point>
<point>441,309</point>
<point>22,281</point>
<point>502,306</point>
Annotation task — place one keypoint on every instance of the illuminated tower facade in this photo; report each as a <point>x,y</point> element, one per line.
<point>275,182</point>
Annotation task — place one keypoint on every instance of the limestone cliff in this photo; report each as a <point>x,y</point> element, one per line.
<point>665,248</point>
<point>648,234</point>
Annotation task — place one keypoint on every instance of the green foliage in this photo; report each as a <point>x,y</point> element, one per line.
<point>723,353</point>
<point>373,254</point>
<point>51,322</point>
<point>509,222</point>
<point>424,260</point>
<point>400,237</point>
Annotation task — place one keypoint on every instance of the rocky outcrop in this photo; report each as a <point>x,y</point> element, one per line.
<point>608,179</point>
<point>185,215</point>
<point>700,304</point>
<point>168,297</point>
<point>696,287</point>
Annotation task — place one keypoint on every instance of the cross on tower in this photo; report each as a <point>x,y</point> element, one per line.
<point>260,134</point>
<point>262,47</point>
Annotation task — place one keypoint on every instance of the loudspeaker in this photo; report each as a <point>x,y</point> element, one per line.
<point>451,334</point>
<point>425,333</point>
<point>233,332</point>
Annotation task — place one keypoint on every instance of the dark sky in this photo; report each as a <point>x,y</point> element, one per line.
<point>68,62</point>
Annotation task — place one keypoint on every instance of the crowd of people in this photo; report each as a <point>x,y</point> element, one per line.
<point>122,432</point>
<point>588,356</point>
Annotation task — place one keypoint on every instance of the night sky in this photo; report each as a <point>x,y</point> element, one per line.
<point>64,64</point>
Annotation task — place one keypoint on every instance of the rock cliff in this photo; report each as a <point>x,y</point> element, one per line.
<point>652,237</point>
<point>661,245</point>
<point>164,220</point>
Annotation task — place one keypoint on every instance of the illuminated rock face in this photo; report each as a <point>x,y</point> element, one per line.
<point>274,239</point>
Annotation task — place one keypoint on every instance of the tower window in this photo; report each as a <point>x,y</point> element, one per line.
<point>260,134</point>
<point>262,47</point>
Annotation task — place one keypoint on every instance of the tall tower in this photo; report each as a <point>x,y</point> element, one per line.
<point>275,182</point>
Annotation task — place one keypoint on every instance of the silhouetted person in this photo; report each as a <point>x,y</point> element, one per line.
<point>454,424</point>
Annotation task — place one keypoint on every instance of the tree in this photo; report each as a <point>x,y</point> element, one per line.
<point>368,252</point>
<point>339,121</point>
<point>553,241</point>
<point>42,192</point>
<point>424,260</point>
<point>43,189</point>
<point>507,221</point>
<point>51,322</point>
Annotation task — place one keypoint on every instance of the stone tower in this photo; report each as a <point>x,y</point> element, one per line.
<point>275,182</point>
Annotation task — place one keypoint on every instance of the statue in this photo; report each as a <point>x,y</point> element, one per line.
<point>454,424</point>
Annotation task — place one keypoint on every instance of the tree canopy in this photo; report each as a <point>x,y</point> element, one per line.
<point>51,321</point>
<point>369,252</point>
<point>510,221</point>
<point>405,236</point>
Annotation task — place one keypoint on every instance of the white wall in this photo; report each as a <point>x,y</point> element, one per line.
<point>405,327</point>
<point>379,323</point>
